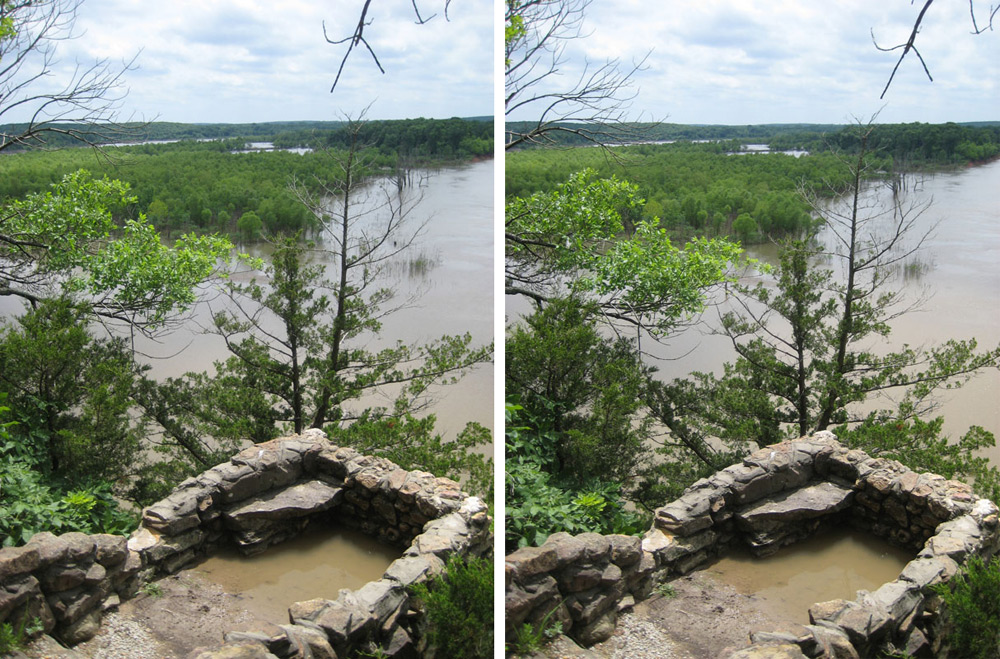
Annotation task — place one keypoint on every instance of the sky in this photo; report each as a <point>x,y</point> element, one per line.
<point>795,61</point>
<point>254,61</point>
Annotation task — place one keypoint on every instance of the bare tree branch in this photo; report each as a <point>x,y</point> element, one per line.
<point>908,46</point>
<point>358,36</point>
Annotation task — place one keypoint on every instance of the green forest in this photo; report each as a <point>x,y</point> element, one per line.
<point>220,186</point>
<point>715,189</point>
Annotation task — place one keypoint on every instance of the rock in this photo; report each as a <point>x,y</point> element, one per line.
<point>410,570</point>
<point>597,631</point>
<point>309,642</point>
<point>237,651</point>
<point>626,550</point>
<point>817,500</point>
<point>293,502</point>
<point>81,630</point>
<point>18,560</point>
<point>783,651</point>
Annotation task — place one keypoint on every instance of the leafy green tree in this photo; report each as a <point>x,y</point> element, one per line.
<point>250,226</point>
<point>458,606</point>
<point>972,609</point>
<point>71,394</point>
<point>588,238</point>
<point>65,242</point>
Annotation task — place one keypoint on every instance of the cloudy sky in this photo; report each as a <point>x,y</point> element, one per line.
<point>774,61</point>
<point>256,61</point>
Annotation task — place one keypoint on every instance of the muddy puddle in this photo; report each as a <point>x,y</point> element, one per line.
<point>832,565</point>
<point>316,564</point>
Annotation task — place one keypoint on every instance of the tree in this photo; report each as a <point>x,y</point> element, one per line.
<point>66,242</point>
<point>299,333</point>
<point>589,238</point>
<point>357,38</point>
<point>806,342</point>
<point>85,107</point>
<point>535,39</point>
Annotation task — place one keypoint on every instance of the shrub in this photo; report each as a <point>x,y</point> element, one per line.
<point>459,609</point>
<point>972,607</point>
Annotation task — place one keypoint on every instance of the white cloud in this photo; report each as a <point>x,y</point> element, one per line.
<point>720,61</point>
<point>247,60</point>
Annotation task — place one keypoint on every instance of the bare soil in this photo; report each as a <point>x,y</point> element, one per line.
<point>187,613</point>
<point>701,619</point>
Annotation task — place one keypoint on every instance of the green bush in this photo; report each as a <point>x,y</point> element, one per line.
<point>459,609</point>
<point>972,607</point>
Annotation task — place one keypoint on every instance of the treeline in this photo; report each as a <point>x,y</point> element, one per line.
<point>410,138</point>
<point>631,132</point>
<point>289,133</point>
<point>909,145</point>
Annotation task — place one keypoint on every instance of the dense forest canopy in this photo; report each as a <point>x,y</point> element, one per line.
<point>210,186</point>
<point>700,188</point>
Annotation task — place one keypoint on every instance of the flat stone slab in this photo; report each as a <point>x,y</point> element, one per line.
<point>289,503</point>
<point>798,505</point>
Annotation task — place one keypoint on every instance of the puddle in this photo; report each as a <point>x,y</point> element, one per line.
<point>831,565</point>
<point>317,563</point>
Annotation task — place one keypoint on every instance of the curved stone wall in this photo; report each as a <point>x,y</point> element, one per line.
<point>781,494</point>
<point>263,495</point>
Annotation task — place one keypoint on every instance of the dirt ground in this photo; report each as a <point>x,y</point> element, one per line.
<point>187,612</point>
<point>701,619</point>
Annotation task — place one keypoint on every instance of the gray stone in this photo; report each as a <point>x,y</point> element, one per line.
<point>309,642</point>
<point>810,502</point>
<point>626,550</point>
<point>928,571</point>
<point>18,560</point>
<point>292,502</point>
<point>783,651</point>
<point>898,598</point>
<point>529,561</point>
<point>81,630</point>
<point>597,631</point>
<point>111,549</point>
<point>410,570</point>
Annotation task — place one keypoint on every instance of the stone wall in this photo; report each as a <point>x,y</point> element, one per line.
<point>265,494</point>
<point>66,581</point>
<point>779,495</point>
<point>582,581</point>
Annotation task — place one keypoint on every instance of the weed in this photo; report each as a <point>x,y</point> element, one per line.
<point>16,636</point>
<point>153,589</point>
<point>666,590</point>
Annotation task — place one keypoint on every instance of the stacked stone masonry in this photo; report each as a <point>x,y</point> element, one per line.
<point>265,494</point>
<point>778,495</point>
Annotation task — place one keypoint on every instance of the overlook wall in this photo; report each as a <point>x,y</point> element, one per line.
<point>776,496</point>
<point>263,495</point>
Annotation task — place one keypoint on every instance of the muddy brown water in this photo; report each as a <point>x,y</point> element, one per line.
<point>832,565</point>
<point>316,564</point>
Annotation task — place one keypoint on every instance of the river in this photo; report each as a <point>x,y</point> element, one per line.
<point>958,272</point>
